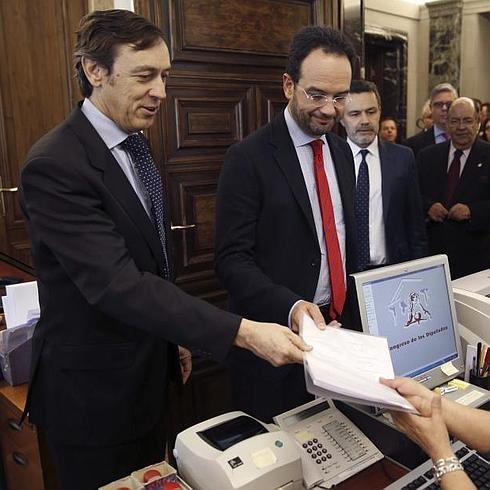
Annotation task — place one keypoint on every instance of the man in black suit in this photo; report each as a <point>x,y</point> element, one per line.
<point>441,97</point>
<point>111,319</point>
<point>390,222</point>
<point>275,254</point>
<point>455,185</point>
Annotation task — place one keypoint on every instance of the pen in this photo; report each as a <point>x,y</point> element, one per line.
<point>478,353</point>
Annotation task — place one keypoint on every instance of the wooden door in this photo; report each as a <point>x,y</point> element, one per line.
<point>228,57</point>
<point>37,91</point>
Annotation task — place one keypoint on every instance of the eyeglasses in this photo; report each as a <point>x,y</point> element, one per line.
<point>440,104</point>
<point>320,100</point>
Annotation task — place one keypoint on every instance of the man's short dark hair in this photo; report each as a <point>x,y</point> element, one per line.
<point>310,38</point>
<point>101,31</point>
<point>363,86</point>
<point>388,118</point>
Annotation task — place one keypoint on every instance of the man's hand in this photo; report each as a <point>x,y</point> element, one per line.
<point>428,429</point>
<point>437,212</point>
<point>185,358</point>
<point>272,342</point>
<point>312,310</point>
<point>459,212</point>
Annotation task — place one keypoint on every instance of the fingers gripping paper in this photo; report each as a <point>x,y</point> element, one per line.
<point>347,365</point>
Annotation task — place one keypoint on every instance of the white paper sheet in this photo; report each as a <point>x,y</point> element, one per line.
<point>349,364</point>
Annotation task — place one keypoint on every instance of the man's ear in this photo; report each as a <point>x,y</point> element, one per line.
<point>94,72</point>
<point>342,120</point>
<point>287,86</point>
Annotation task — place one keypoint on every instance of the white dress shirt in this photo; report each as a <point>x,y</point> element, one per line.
<point>113,136</point>
<point>304,152</point>
<point>377,238</point>
<point>462,158</point>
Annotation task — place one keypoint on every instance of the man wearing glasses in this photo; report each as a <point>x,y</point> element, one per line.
<point>441,97</point>
<point>285,227</point>
<point>455,187</point>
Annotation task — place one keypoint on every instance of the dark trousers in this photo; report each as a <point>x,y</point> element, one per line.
<point>88,468</point>
<point>264,398</point>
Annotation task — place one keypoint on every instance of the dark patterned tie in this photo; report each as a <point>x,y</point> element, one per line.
<point>149,176</point>
<point>453,177</point>
<point>362,213</point>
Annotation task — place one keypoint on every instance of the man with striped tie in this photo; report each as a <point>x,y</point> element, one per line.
<point>390,222</point>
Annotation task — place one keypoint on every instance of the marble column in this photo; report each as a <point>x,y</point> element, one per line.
<point>445,42</point>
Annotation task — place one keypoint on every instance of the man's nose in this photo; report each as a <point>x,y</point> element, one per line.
<point>328,109</point>
<point>158,89</point>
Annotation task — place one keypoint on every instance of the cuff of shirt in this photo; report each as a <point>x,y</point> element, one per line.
<point>291,311</point>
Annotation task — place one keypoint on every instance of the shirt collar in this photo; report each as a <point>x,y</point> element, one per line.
<point>438,130</point>
<point>108,130</point>
<point>373,147</point>
<point>299,137</point>
<point>452,149</point>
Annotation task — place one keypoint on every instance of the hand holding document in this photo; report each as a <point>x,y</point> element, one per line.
<point>347,365</point>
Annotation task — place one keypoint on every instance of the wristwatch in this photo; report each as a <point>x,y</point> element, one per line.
<point>443,466</point>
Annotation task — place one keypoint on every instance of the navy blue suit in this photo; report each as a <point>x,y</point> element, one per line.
<point>267,251</point>
<point>402,205</point>
<point>421,140</point>
<point>467,243</point>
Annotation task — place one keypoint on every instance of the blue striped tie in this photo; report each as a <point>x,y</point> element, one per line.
<point>362,213</point>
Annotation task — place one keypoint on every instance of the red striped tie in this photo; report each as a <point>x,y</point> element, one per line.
<point>334,257</point>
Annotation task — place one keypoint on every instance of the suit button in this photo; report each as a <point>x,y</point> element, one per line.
<point>314,263</point>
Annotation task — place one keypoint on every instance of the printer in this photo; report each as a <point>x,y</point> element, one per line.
<point>237,452</point>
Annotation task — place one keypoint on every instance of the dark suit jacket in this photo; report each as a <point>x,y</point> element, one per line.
<point>467,243</point>
<point>402,206</point>
<point>109,323</point>
<point>421,140</point>
<point>267,252</point>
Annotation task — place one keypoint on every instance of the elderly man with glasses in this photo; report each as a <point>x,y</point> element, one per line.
<point>441,98</point>
<point>455,186</point>
<point>285,227</point>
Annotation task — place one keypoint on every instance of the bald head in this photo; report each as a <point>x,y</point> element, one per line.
<point>463,123</point>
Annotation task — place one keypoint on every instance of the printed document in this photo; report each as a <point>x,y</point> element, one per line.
<point>347,365</point>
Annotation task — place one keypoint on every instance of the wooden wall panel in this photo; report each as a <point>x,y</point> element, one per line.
<point>214,30</point>
<point>37,91</point>
<point>205,121</point>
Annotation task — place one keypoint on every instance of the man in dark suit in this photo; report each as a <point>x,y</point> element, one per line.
<point>441,97</point>
<point>275,254</point>
<point>455,185</point>
<point>390,222</point>
<point>111,319</point>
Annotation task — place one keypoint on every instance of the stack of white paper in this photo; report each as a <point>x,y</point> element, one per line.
<point>347,365</point>
<point>21,304</point>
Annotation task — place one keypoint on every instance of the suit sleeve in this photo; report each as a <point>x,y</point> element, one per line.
<point>415,215</point>
<point>238,210</point>
<point>425,180</point>
<point>67,217</point>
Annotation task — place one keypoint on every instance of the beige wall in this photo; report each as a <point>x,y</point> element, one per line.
<point>475,49</point>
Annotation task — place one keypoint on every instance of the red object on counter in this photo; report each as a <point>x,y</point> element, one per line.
<point>151,475</point>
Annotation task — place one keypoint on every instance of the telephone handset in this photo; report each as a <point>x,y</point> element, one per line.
<point>332,447</point>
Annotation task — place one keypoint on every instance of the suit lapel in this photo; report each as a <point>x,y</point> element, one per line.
<point>285,155</point>
<point>116,182</point>
<point>470,171</point>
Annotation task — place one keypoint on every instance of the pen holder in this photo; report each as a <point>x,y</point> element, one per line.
<point>481,381</point>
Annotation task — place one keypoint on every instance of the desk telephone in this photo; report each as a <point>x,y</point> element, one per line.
<point>332,447</point>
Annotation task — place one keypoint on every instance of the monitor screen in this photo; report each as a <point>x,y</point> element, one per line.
<point>411,304</point>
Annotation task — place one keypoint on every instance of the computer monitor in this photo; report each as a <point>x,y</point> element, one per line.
<point>411,304</point>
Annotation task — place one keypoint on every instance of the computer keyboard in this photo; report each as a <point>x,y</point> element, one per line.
<point>475,465</point>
